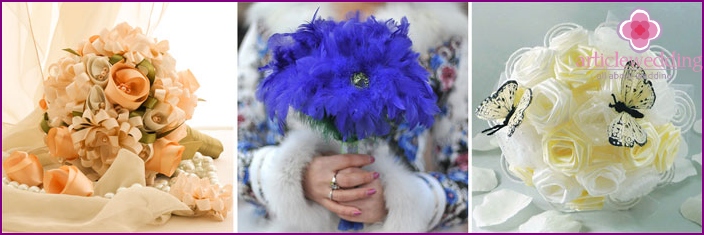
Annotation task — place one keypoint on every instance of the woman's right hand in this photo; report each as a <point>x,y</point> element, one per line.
<point>354,182</point>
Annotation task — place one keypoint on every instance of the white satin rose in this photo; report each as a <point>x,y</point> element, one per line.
<point>569,38</point>
<point>556,187</point>
<point>602,180</point>
<point>578,65</point>
<point>534,66</point>
<point>550,105</point>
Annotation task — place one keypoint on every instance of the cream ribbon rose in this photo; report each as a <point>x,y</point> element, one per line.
<point>202,197</point>
<point>669,145</point>
<point>188,100</point>
<point>24,168</point>
<point>644,156</point>
<point>564,151</point>
<point>98,69</point>
<point>550,105</point>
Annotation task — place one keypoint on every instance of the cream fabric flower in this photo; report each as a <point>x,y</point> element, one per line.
<point>202,197</point>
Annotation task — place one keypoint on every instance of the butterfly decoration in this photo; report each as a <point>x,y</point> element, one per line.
<point>501,105</point>
<point>636,93</point>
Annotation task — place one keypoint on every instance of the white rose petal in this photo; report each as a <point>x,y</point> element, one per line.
<point>697,158</point>
<point>556,187</point>
<point>550,221</point>
<point>483,179</point>
<point>638,183</point>
<point>602,180</point>
<point>483,142</point>
<point>697,126</point>
<point>499,206</point>
<point>683,169</point>
<point>524,148</point>
<point>692,209</point>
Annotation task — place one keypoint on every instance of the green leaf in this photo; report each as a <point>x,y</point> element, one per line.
<point>116,58</point>
<point>150,102</point>
<point>147,69</point>
<point>147,138</point>
<point>71,51</point>
<point>191,147</point>
<point>45,123</point>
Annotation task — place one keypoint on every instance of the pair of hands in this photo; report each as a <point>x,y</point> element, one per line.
<point>360,197</point>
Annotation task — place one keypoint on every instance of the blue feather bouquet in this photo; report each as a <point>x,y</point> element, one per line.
<point>351,80</point>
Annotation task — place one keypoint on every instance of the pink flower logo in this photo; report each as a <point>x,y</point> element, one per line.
<point>639,30</point>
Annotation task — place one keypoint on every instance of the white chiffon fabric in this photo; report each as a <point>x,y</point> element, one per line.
<point>33,36</point>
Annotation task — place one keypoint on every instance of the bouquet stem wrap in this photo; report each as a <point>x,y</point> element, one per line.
<point>195,141</point>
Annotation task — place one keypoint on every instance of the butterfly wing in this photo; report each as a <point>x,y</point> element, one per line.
<point>517,116</point>
<point>636,90</point>
<point>499,104</point>
<point>625,131</point>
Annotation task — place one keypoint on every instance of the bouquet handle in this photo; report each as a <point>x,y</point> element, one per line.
<point>196,141</point>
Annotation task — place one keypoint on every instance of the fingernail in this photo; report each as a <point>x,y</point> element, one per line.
<point>356,213</point>
<point>372,159</point>
<point>375,175</point>
<point>371,192</point>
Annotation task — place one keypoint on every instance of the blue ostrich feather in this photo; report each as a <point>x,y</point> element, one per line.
<point>354,79</point>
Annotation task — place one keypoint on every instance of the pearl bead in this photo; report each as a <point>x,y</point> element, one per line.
<point>166,189</point>
<point>14,184</point>
<point>5,180</point>
<point>136,185</point>
<point>109,195</point>
<point>23,187</point>
<point>42,191</point>
<point>120,189</point>
<point>34,189</point>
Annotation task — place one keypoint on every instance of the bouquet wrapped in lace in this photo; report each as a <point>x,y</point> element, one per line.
<point>588,120</point>
<point>119,91</point>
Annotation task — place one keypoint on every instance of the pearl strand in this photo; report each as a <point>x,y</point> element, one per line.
<point>17,185</point>
<point>199,165</point>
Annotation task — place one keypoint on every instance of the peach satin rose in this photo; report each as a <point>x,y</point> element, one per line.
<point>167,156</point>
<point>60,143</point>
<point>67,180</point>
<point>127,86</point>
<point>24,168</point>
